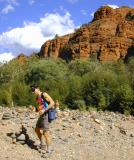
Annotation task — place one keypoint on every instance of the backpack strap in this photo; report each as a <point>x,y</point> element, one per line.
<point>51,112</point>
<point>42,96</point>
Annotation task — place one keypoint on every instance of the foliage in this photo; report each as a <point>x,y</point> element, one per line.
<point>123,99</point>
<point>130,17</point>
<point>75,90</point>
<point>79,84</point>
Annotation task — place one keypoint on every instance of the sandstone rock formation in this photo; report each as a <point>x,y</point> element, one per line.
<point>109,37</point>
<point>21,58</point>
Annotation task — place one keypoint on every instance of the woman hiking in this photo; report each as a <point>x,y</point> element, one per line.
<point>45,103</point>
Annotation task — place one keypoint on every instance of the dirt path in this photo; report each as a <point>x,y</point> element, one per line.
<point>76,136</point>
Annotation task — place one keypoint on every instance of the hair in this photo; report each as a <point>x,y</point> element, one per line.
<point>33,87</point>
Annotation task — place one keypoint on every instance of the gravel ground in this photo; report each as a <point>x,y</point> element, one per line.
<point>76,136</point>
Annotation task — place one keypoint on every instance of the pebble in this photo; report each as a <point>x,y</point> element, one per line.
<point>75,136</point>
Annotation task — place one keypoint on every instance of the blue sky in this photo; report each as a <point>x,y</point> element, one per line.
<point>26,24</point>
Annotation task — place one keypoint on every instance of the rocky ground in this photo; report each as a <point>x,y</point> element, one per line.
<point>76,136</point>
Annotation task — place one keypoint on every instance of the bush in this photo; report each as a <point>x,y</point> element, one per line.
<point>130,69</point>
<point>129,16</point>
<point>21,95</point>
<point>79,67</point>
<point>123,99</point>
<point>79,104</point>
<point>74,90</point>
<point>77,85</point>
<point>99,89</point>
<point>6,95</point>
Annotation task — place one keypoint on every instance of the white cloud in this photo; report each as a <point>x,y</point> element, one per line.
<point>31,2</point>
<point>84,12</point>
<point>6,57</point>
<point>7,9</point>
<point>14,2</point>
<point>10,6</point>
<point>62,9</point>
<point>113,6</point>
<point>32,35</point>
<point>72,1</point>
<point>92,14</point>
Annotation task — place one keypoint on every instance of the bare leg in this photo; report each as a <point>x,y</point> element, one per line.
<point>39,134</point>
<point>48,139</point>
<point>37,131</point>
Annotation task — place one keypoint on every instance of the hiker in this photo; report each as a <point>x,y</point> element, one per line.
<point>42,125</point>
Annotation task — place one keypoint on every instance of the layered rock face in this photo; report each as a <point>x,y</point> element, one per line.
<point>21,58</point>
<point>109,37</point>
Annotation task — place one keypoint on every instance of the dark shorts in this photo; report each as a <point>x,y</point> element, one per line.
<point>42,122</point>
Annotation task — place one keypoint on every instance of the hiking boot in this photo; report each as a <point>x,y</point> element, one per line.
<point>49,150</point>
<point>47,154</point>
<point>43,147</point>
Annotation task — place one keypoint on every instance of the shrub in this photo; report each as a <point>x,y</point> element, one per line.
<point>6,95</point>
<point>123,99</point>
<point>75,90</point>
<point>99,89</point>
<point>77,85</point>
<point>79,104</point>
<point>21,95</point>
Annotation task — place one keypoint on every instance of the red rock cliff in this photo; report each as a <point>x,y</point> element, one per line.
<point>109,37</point>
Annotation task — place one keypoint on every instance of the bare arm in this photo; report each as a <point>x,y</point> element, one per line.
<point>50,100</point>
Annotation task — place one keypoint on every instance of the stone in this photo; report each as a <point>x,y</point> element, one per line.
<point>21,137</point>
<point>6,116</point>
<point>132,134</point>
<point>79,135</point>
<point>123,131</point>
<point>97,121</point>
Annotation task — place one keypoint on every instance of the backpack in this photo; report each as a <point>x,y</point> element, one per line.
<point>51,112</point>
<point>41,103</point>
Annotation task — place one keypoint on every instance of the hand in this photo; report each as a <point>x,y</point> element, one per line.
<point>41,112</point>
<point>32,108</point>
